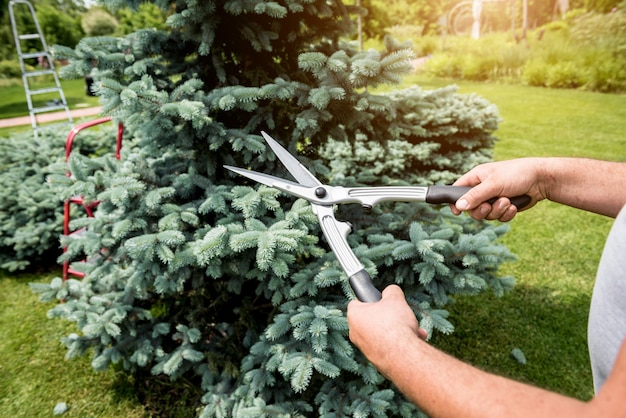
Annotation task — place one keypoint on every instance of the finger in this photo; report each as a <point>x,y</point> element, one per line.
<point>454,210</point>
<point>471,178</point>
<point>498,209</point>
<point>509,214</point>
<point>480,212</point>
<point>422,333</point>
<point>393,291</point>
<point>476,196</point>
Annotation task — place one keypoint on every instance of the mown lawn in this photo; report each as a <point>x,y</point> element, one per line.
<point>13,103</point>
<point>545,315</point>
<point>34,375</point>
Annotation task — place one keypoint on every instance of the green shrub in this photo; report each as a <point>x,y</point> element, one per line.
<point>602,38</point>
<point>567,74</point>
<point>444,65</point>
<point>554,26</point>
<point>425,45</point>
<point>512,58</point>
<point>405,32</point>
<point>59,27</point>
<point>481,68</point>
<point>98,22</point>
<point>492,57</point>
<point>475,68</point>
<point>608,74</point>
<point>553,48</point>
<point>534,73</point>
<point>31,209</point>
<point>588,51</point>
<point>603,31</point>
<point>10,69</point>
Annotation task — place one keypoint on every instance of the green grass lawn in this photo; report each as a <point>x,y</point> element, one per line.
<point>545,315</point>
<point>14,104</point>
<point>34,376</point>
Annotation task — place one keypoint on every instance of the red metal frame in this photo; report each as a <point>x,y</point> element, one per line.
<point>78,200</point>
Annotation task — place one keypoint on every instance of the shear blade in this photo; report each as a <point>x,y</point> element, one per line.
<point>287,186</point>
<point>297,170</point>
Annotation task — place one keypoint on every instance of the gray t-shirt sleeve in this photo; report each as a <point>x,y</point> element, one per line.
<point>607,316</point>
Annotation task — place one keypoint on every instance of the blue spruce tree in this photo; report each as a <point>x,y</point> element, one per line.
<point>196,273</point>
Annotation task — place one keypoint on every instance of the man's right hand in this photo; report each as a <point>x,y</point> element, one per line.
<point>504,179</point>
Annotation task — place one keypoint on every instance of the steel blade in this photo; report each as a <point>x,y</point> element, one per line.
<point>286,186</point>
<point>297,170</point>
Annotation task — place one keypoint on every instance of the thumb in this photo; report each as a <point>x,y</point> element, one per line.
<point>393,291</point>
<point>475,197</point>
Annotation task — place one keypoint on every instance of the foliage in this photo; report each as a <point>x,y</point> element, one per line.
<point>425,16</point>
<point>589,53</point>
<point>65,22</point>
<point>31,217</point>
<point>59,28</point>
<point>147,16</point>
<point>603,31</point>
<point>492,57</point>
<point>98,22</point>
<point>10,69</point>
<point>195,274</point>
<point>602,6</point>
<point>586,51</point>
<point>59,21</point>
<point>31,212</point>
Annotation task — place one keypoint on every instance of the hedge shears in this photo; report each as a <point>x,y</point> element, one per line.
<point>323,198</point>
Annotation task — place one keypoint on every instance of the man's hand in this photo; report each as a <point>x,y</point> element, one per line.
<point>388,334</point>
<point>505,179</point>
<point>377,328</point>
<point>592,185</point>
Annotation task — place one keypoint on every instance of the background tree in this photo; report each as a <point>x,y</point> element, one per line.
<point>60,28</point>
<point>426,15</point>
<point>195,273</point>
<point>59,21</point>
<point>602,6</point>
<point>147,15</point>
<point>98,22</point>
<point>375,20</point>
<point>423,14</point>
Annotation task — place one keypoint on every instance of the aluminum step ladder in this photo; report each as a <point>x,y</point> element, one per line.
<point>32,51</point>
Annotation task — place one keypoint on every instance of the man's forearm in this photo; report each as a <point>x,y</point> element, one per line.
<point>443,386</point>
<point>387,333</point>
<point>593,185</point>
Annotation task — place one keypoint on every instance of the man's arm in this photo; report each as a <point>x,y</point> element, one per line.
<point>593,185</point>
<point>442,386</point>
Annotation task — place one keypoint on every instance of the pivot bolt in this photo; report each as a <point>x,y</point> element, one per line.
<point>320,192</point>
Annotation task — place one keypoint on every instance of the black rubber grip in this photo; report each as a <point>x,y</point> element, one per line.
<point>363,288</point>
<point>450,194</point>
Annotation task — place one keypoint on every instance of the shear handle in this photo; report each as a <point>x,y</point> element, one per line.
<point>450,194</point>
<point>336,233</point>
<point>363,288</point>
